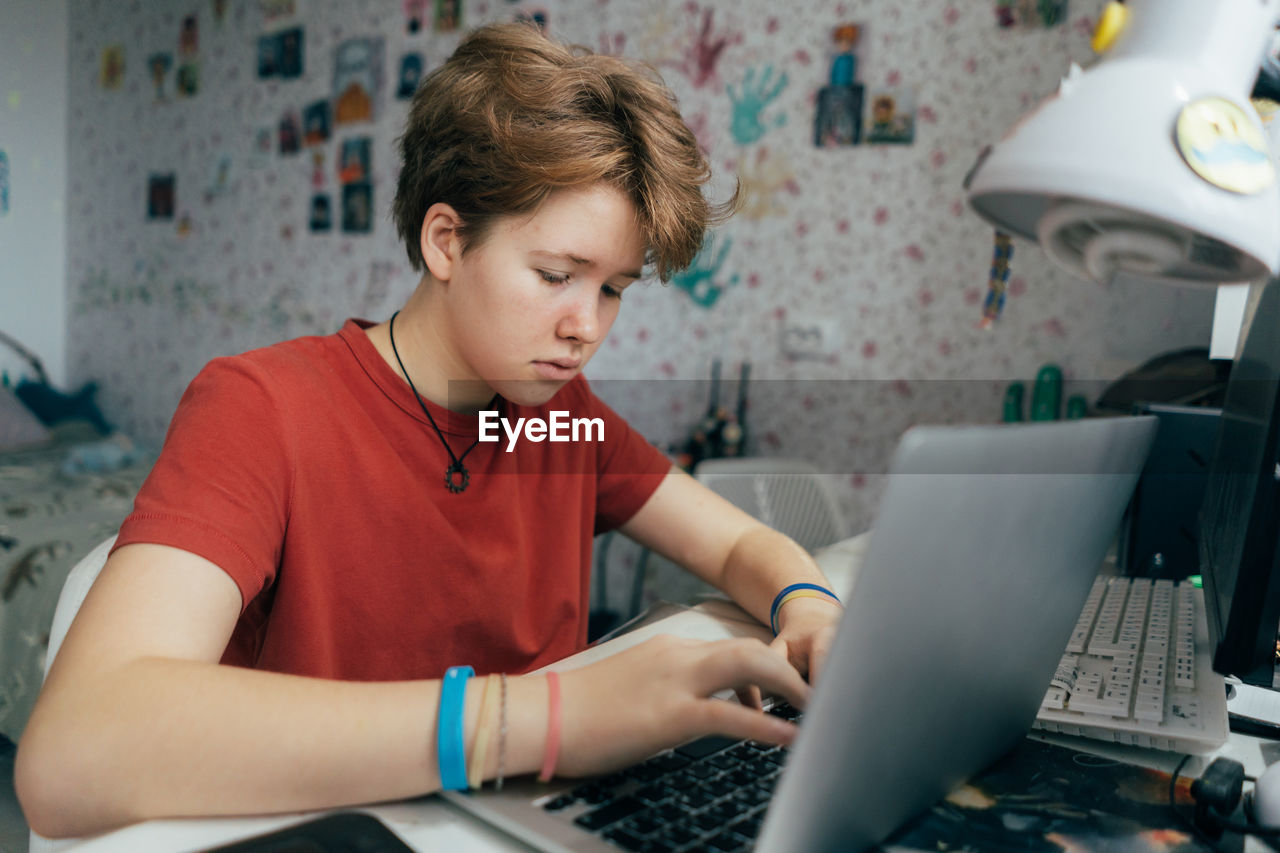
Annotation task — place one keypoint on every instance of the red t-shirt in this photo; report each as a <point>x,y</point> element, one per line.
<point>309,473</point>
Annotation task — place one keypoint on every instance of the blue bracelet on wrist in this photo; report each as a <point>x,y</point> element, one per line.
<point>450,746</point>
<point>787,590</point>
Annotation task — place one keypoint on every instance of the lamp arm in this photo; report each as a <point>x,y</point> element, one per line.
<point>30,357</point>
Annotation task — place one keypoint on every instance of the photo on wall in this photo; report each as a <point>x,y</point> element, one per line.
<point>290,133</point>
<point>268,56</point>
<point>315,123</point>
<point>187,80</point>
<point>189,37</point>
<point>161,192</point>
<point>892,117</point>
<point>357,208</point>
<point>111,68</point>
<point>355,162</point>
<point>415,16</point>
<point>290,52</point>
<point>275,13</point>
<point>838,117</point>
<point>357,79</point>
<point>1030,14</point>
<point>448,15</point>
<point>321,214</point>
<point>410,74</point>
<point>159,65</point>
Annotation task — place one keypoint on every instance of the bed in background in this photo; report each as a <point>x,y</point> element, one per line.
<point>62,491</point>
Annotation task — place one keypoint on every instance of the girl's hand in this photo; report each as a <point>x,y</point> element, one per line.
<point>657,695</point>
<point>806,631</point>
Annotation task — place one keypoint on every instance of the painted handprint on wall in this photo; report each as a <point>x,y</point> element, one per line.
<point>700,62</point>
<point>761,178</point>
<point>751,101</point>
<point>699,279</point>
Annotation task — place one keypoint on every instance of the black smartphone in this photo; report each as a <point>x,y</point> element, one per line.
<point>343,832</point>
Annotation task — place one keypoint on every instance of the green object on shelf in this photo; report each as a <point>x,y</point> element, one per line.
<point>1197,581</point>
<point>1077,407</point>
<point>1046,394</point>
<point>1013,395</point>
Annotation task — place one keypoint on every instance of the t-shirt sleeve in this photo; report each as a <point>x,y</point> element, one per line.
<point>629,468</point>
<point>220,488</point>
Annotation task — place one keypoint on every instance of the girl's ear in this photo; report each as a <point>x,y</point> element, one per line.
<point>439,240</point>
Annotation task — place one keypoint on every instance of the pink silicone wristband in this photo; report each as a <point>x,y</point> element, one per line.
<point>553,730</point>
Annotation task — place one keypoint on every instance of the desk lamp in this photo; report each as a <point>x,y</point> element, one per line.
<point>1152,163</point>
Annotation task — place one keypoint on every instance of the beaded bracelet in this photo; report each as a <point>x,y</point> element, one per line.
<point>450,749</point>
<point>502,733</point>
<point>797,590</point>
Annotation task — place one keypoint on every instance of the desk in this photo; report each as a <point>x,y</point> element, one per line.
<point>430,823</point>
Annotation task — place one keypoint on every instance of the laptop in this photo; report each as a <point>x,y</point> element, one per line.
<point>986,544</point>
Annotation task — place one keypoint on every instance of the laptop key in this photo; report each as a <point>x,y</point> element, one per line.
<point>683,781</point>
<point>655,793</point>
<point>726,841</point>
<point>667,812</point>
<point>679,836</point>
<point>627,841</point>
<point>747,827</point>
<point>561,802</point>
<point>658,845</point>
<point>611,813</point>
<point>727,810</point>
<point>642,824</point>
<point>752,795</point>
<point>706,822</point>
<point>592,794</point>
<point>669,762</point>
<point>696,798</point>
<point>702,771</point>
<point>643,773</point>
<point>719,787</point>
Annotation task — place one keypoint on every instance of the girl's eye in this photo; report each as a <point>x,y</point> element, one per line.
<point>611,291</point>
<point>553,277</point>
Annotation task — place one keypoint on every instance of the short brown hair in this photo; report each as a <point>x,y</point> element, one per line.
<point>513,116</point>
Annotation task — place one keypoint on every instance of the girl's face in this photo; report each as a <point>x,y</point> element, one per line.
<point>529,305</point>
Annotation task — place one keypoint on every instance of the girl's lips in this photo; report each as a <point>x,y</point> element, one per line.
<point>554,370</point>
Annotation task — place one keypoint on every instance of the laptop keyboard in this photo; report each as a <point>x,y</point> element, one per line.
<point>1137,669</point>
<point>710,794</point>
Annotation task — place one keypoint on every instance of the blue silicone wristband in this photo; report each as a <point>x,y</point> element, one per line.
<point>450,750</point>
<point>787,590</point>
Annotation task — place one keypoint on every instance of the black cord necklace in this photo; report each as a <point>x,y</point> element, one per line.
<point>455,466</point>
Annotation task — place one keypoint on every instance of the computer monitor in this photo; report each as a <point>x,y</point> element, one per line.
<point>1240,517</point>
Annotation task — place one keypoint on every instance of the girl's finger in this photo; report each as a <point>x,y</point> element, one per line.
<point>740,663</point>
<point>749,696</point>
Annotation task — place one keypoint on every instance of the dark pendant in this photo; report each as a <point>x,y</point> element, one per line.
<point>453,484</point>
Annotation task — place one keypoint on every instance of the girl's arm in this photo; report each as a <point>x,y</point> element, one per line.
<point>138,720</point>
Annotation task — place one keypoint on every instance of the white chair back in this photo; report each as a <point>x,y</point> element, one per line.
<point>74,589</point>
<point>790,495</point>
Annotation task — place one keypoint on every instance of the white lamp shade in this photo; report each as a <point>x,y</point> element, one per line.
<point>1096,173</point>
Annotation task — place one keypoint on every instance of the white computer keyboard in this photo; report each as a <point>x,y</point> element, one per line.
<point>1138,670</point>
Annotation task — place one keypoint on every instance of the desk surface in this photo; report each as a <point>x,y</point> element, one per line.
<point>430,823</point>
